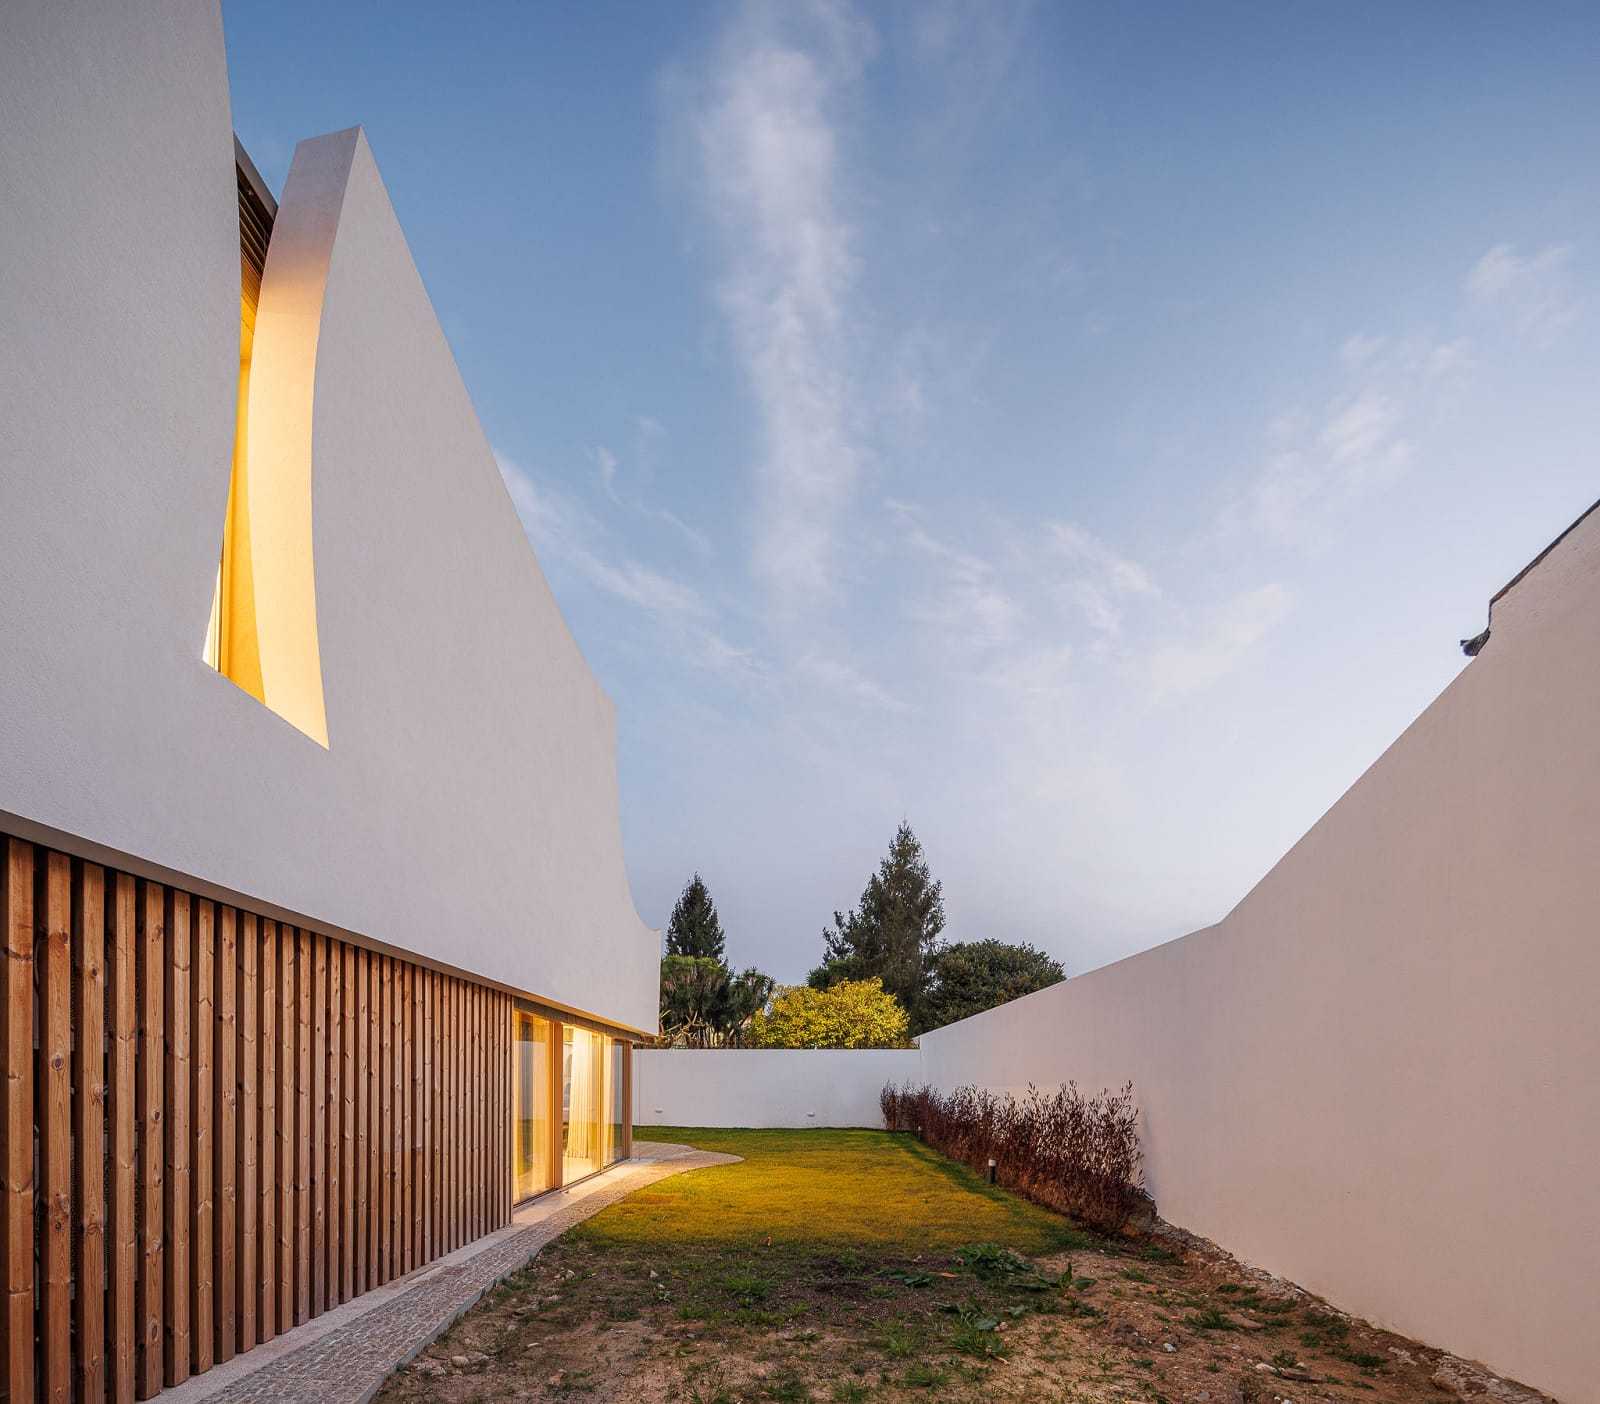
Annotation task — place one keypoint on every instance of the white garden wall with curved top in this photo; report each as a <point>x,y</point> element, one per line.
<point>1379,1075</point>
<point>766,1087</point>
<point>465,807</point>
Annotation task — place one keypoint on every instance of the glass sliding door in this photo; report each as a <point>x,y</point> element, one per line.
<point>586,1123</point>
<point>572,1116</point>
<point>532,1144</point>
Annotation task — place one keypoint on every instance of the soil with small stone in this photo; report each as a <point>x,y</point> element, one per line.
<point>1167,1318</point>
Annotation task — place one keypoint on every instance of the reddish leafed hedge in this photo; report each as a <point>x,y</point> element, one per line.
<point>1076,1154</point>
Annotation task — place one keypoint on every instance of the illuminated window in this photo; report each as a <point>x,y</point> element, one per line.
<point>531,1151</point>
<point>585,1103</point>
<point>263,629</point>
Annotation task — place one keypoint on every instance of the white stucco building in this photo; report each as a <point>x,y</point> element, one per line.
<point>276,658</point>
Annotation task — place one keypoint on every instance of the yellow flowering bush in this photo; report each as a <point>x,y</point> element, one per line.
<point>852,1014</point>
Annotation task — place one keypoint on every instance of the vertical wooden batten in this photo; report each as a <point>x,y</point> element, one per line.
<point>224,1123</point>
<point>53,955</point>
<point>239,1125</point>
<point>202,1234</point>
<point>246,1251</point>
<point>122,1139</point>
<point>177,1218</point>
<point>16,928</point>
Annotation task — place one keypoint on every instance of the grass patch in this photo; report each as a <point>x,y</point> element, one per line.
<point>856,1191</point>
<point>1210,1319</point>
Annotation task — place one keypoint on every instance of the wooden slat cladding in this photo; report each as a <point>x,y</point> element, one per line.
<point>53,962</point>
<point>88,942</point>
<point>122,1135</point>
<point>16,1048</point>
<point>239,1125</point>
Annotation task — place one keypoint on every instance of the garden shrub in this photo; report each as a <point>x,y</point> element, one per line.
<point>1076,1154</point>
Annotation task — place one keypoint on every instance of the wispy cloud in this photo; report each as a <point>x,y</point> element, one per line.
<point>834,676</point>
<point>567,536</point>
<point>1536,291</point>
<point>769,151</point>
<point>1059,600</point>
<point>1100,579</point>
<point>965,602</point>
<point>650,435</point>
<point>1186,666</point>
<point>562,530</point>
<point>1318,466</point>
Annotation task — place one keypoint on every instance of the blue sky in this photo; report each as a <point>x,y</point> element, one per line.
<point>1084,432</point>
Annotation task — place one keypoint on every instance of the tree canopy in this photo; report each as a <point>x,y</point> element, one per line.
<point>850,1014</point>
<point>893,932</point>
<point>971,976</point>
<point>704,1004</point>
<point>694,929</point>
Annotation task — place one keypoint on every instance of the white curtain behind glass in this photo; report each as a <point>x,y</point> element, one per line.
<point>586,1124</point>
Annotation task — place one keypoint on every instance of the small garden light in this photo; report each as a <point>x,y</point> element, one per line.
<point>991,1170</point>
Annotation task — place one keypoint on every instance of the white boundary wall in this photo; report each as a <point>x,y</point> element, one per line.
<point>766,1087</point>
<point>1379,1075</point>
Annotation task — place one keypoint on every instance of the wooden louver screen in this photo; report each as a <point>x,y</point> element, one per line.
<point>237,1125</point>
<point>255,227</point>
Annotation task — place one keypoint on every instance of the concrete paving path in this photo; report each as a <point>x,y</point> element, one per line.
<point>345,1355</point>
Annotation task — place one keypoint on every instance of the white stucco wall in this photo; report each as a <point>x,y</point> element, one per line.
<point>1379,1075</point>
<point>766,1087</point>
<point>466,807</point>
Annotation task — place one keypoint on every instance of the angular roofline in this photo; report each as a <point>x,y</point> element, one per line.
<point>1473,646</point>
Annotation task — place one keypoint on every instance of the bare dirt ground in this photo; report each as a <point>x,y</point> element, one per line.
<point>1130,1327</point>
<point>627,1308</point>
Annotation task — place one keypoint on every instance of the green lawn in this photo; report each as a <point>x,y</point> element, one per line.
<point>864,1190</point>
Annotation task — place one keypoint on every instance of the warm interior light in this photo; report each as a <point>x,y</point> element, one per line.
<point>586,1099</point>
<point>263,629</point>
<point>231,643</point>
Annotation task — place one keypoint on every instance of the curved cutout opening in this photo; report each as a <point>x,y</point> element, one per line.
<point>262,634</point>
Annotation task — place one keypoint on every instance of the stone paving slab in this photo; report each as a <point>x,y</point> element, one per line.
<point>345,1355</point>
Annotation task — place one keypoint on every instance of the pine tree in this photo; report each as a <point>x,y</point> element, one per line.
<point>893,933</point>
<point>694,929</point>
<point>704,1002</point>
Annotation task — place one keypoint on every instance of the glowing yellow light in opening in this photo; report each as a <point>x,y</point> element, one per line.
<point>263,629</point>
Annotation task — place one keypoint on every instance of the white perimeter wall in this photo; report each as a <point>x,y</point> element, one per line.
<point>1379,1075</point>
<point>466,806</point>
<point>766,1087</point>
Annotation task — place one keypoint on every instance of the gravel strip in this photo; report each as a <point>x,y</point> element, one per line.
<point>348,1364</point>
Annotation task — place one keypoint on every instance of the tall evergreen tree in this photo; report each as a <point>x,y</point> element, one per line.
<point>694,929</point>
<point>704,1002</point>
<point>893,932</point>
